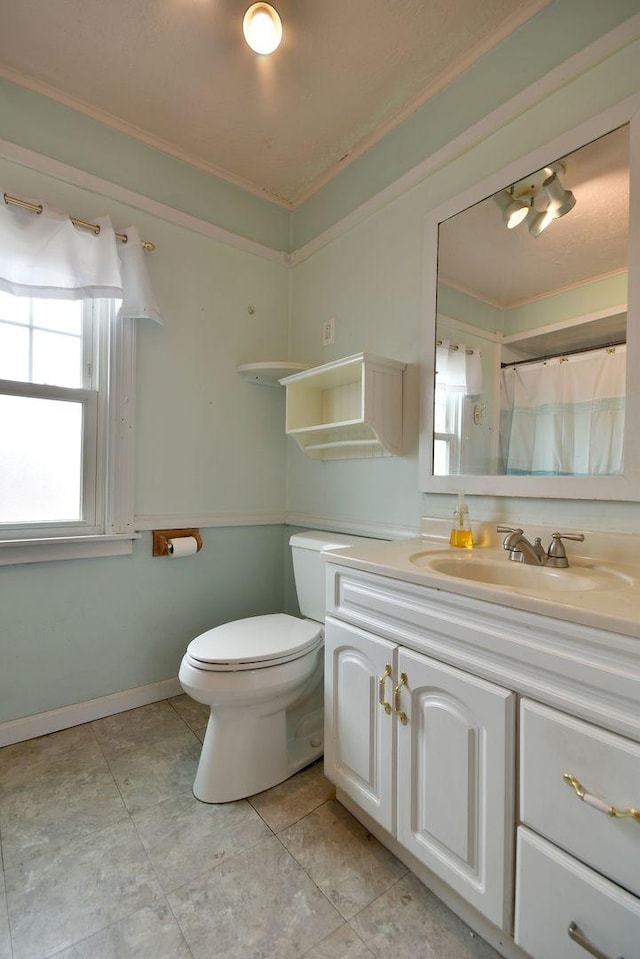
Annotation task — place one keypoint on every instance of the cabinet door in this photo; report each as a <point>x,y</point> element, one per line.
<point>358,729</point>
<point>456,778</point>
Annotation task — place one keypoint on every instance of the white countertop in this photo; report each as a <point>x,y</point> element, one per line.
<point>614,606</point>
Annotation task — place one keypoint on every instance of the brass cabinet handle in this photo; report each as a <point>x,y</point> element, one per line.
<point>386,675</point>
<point>600,804</point>
<point>404,719</point>
<point>577,935</point>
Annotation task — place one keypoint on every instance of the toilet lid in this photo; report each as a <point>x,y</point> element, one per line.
<point>254,642</point>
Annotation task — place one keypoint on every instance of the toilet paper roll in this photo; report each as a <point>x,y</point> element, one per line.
<point>184,546</point>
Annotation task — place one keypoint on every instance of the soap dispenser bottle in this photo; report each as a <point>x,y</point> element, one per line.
<point>461,534</point>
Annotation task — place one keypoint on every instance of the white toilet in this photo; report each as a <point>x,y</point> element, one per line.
<point>262,677</point>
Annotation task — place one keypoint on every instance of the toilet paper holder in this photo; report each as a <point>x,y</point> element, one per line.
<point>161,539</point>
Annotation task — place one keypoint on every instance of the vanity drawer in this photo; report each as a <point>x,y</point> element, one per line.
<point>606,765</point>
<point>553,890</point>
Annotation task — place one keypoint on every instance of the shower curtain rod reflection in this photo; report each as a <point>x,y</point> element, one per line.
<point>609,347</point>
<point>37,208</point>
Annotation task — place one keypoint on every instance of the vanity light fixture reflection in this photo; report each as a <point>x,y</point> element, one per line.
<point>514,211</point>
<point>518,201</point>
<point>561,201</point>
<point>539,222</point>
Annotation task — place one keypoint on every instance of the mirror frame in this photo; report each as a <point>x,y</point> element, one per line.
<point>625,487</point>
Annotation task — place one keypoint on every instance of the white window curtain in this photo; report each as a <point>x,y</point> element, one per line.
<point>458,374</point>
<point>45,256</point>
<point>565,416</point>
<point>458,369</point>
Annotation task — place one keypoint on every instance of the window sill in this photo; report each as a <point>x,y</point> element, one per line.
<point>14,552</point>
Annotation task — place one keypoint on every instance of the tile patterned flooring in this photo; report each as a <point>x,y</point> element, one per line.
<point>107,855</point>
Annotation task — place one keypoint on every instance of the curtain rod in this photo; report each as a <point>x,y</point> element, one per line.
<point>454,346</point>
<point>609,347</point>
<point>37,208</point>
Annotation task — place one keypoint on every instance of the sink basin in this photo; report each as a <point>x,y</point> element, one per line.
<point>493,568</point>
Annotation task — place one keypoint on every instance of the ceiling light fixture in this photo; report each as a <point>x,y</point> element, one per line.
<point>540,221</point>
<point>560,200</point>
<point>262,28</point>
<point>517,202</point>
<point>513,211</point>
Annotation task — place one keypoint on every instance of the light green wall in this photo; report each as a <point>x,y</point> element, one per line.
<point>209,443</point>
<point>52,129</point>
<point>589,298</point>
<point>370,279</point>
<point>80,629</point>
<point>370,282</point>
<point>592,297</point>
<point>469,309</point>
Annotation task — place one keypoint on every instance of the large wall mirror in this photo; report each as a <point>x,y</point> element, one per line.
<point>530,329</point>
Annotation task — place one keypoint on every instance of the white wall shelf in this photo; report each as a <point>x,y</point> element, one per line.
<point>269,373</point>
<point>348,409</point>
<point>587,331</point>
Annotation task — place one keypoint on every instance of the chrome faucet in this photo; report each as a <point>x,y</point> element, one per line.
<point>533,554</point>
<point>520,549</point>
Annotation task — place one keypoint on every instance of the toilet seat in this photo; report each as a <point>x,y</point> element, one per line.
<point>254,643</point>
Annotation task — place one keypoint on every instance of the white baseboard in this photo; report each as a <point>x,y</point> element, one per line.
<point>17,730</point>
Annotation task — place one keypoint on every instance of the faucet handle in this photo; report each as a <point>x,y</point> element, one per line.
<point>556,539</point>
<point>509,529</point>
<point>556,554</point>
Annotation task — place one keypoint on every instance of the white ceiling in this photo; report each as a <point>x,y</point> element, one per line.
<point>178,74</point>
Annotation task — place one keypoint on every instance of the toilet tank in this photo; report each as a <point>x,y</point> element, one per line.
<point>308,567</point>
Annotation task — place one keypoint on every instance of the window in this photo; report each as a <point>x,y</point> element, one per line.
<point>65,428</point>
<point>67,382</point>
<point>447,430</point>
<point>458,374</point>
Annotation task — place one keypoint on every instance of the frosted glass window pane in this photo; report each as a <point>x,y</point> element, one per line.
<point>40,460</point>
<point>440,458</point>
<point>14,352</point>
<point>57,359</point>
<point>64,316</point>
<point>440,410</point>
<point>15,308</point>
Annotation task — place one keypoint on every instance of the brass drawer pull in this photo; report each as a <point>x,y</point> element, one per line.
<point>404,719</point>
<point>386,675</point>
<point>600,804</point>
<point>577,935</point>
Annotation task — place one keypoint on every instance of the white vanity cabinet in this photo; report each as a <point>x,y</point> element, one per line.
<point>578,860</point>
<point>425,689</point>
<point>427,751</point>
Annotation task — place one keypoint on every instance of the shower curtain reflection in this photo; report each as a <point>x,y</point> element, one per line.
<point>564,416</point>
